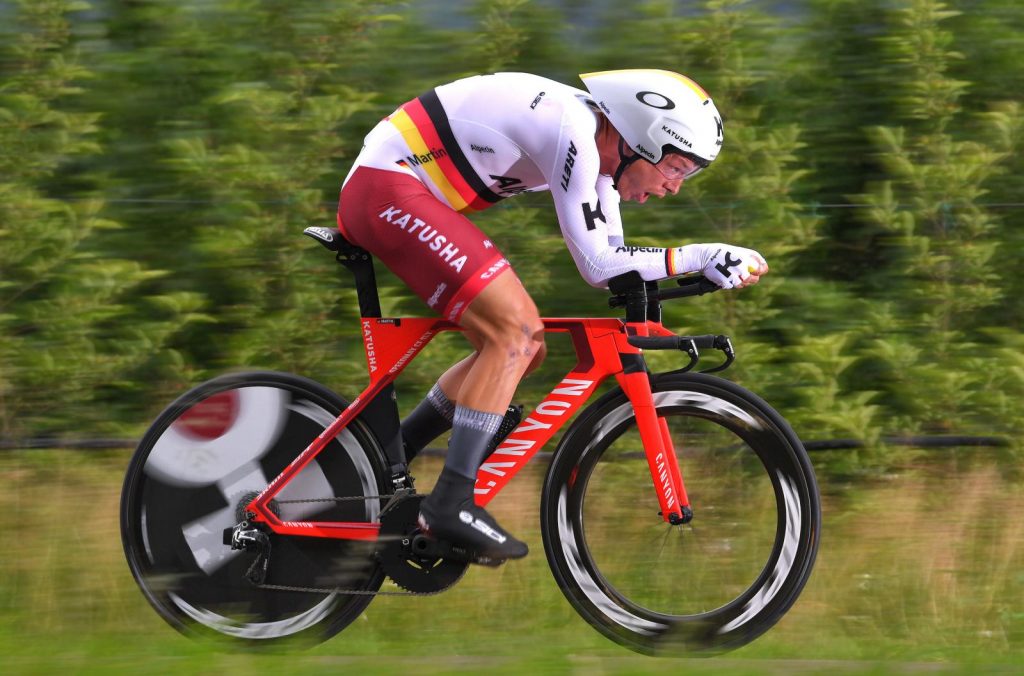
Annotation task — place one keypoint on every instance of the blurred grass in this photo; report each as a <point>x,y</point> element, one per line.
<point>922,568</point>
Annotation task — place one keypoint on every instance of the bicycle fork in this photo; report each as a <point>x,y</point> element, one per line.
<point>658,448</point>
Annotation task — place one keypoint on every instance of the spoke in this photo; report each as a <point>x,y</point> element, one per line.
<point>664,541</point>
<point>696,539</point>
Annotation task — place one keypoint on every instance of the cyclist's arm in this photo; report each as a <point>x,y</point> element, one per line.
<point>605,191</point>
<point>588,214</point>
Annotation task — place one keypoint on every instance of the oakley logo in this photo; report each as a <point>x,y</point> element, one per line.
<point>655,100</point>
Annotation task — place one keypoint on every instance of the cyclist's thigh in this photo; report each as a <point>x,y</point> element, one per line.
<point>504,305</point>
<point>439,253</point>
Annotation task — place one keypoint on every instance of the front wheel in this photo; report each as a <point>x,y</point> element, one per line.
<point>715,583</point>
<point>198,466</point>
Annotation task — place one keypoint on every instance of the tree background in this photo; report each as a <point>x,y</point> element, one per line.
<point>159,159</point>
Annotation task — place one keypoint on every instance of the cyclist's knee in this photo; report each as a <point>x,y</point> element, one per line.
<point>503,320</point>
<point>511,327</point>
<point>519,335</point>
<point>538,357</point>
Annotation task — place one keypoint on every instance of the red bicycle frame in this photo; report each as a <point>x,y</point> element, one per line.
<point>600,345</point>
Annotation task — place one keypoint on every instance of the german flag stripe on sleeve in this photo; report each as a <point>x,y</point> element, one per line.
<point>425,128</point>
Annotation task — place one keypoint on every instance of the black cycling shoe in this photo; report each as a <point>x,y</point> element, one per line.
<point>469,526</point>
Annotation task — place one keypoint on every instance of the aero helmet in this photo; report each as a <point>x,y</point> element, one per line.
<point>655,111</point>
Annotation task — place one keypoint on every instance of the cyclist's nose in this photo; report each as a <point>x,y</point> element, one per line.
<point>673,186</point>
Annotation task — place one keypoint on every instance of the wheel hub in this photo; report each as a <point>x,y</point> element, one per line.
<point>241,502</point>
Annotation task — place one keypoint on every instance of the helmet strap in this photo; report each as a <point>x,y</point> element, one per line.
<point>624,162</point>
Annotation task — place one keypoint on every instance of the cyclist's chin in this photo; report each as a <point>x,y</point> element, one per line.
<point>632,195</point>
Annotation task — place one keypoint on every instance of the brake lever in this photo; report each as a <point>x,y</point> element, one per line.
<point>724,344</point>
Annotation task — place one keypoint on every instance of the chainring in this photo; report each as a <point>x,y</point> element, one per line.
<point>401,555</point>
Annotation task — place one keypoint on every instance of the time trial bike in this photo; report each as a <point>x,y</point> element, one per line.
<point>263,507</point>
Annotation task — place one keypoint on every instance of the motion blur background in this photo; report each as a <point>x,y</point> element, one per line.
<point>159,159</point>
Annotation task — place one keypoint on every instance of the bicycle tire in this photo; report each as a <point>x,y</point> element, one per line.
<point>187,479</point>
<point>743,467</point>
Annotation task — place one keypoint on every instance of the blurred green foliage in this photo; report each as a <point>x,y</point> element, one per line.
<point>159,158</point>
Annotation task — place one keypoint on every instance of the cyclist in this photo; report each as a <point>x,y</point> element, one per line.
<point>465,146</point>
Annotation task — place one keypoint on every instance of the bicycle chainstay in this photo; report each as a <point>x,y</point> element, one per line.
<point>393,500</point>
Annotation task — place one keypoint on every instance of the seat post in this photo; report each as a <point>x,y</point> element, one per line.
<point>381,414</point>
<point>360,264</point>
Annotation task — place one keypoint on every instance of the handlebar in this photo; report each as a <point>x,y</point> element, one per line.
<point>705,342</point>
<point>626,286</point>
<point>696,285</point>
<point>642,301</point>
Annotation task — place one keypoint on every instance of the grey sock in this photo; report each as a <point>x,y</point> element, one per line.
<point>431,418</point>
<point>441,402</point>
<point>472,433</point>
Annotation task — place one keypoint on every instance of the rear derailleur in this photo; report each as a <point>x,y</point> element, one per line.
<point>251,538</point>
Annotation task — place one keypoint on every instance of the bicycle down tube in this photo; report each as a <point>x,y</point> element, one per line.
<point>602,350</point>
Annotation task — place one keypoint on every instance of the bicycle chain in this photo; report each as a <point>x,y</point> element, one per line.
<point>348,592</point>
<point>393,499</point>
<point>367,497</point>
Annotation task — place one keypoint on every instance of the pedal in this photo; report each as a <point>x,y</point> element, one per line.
<point>428,547</point>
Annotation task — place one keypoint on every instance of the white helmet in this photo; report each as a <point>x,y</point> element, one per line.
<point>652,109</point>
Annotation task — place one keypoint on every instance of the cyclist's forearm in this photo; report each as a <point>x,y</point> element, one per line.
<point>596,266</point>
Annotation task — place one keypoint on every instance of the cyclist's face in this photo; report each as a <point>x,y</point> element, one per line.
<point>642,179</point>
<point>674,167</point>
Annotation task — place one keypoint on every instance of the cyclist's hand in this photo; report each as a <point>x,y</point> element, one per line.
<point>728,266</point>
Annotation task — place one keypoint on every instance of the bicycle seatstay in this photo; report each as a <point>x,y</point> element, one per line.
<point>602,350</point>
<point>391,344</point>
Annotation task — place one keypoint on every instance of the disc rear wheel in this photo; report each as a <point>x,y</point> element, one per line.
<point>196,469</point>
